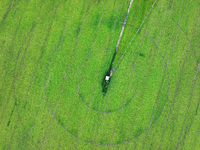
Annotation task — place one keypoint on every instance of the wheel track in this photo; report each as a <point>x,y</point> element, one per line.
<point>193,87</point>
<point>82,126</point>
<point>197,135</point>
<point>108,46</point>
<point>166,69</point>
<point>192,121</point>
<point>119,117</point>
<point>11,46</point>
<point>101,120</point>
<point>15,76</point>
<point>147,23</point>
<point>35,71</point>
<point>62,38</point>
<point>103,144</point>
<point>8,100</point>
<point>179,80</point>
<point>142,92</point>
<point>137,31</point>
<point>6,15</point>
<point>190,99</point>
<point>113,29</point>
<point>67,68</point>
<point>14,130</point>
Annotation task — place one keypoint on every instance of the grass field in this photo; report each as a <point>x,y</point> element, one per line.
<point>54,55</point>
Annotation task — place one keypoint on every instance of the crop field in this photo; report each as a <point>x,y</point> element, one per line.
<point>54,59</point>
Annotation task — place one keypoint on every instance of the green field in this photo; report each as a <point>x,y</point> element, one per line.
<point>54,55</point>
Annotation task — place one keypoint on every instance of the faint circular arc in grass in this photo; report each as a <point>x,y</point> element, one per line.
<point>22,123</point>
<point>92,141</point>
<point>83,100</point>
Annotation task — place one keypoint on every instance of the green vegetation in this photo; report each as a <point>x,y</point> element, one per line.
<point>54,56</point>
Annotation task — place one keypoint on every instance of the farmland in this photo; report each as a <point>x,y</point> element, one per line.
<point>53,59</point>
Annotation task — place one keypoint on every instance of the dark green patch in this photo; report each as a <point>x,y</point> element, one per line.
<point>110,25</point>
<point>8,123</point>
<point>141,54</point>
<point>77,31</point>
<point>60,119</point>
<point>198,61</point>
<point>11,116</point>
<point>25,104</point>
<point>138,132</point>
<point>105,84</point>
<point>74,131</point>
